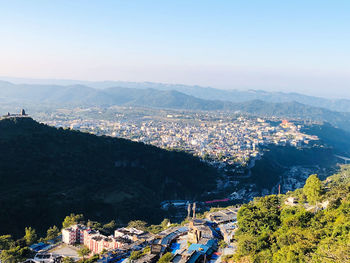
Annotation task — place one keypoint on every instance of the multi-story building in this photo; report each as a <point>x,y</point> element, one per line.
<point>96,242</point>
<point>74,234</point>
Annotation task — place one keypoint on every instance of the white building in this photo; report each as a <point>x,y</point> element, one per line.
<point>73,234</point>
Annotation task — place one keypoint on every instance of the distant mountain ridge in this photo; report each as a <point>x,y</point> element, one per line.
<point>208,93</point>
<point>234,95</point>
<point>80,95</point>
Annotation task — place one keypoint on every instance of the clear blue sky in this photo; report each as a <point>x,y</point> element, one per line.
<point>287,45</point>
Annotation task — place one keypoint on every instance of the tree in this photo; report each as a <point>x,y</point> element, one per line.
<point>166,258</point>
<point>91,259</point>
<point>94,224</point>
<point>30,236</point>
<point>147,250</point>
<point>109,227</point>
<point>68,260</point>
<point>72,219</point>
<point>313,189</point>
<point>255,216</point>
<point>139,224</point>
<point>165,223</point>
<point>135,255</point>
<point>222,244</point>
<point>6,242</point>
<point>52,233</point>
<point>14,255</point>
<point>83,252</point>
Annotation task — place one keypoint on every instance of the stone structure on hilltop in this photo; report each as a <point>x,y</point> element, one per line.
<point>20,115</point>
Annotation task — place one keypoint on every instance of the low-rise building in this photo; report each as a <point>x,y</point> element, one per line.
<point>292,201</point>
<point>130,233</point>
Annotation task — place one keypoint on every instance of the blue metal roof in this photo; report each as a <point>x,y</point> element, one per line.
<point>174,247</point>
<point>198,247</point>
<point>194,257</point>
<point>204,249</point>
<point>39,246</point>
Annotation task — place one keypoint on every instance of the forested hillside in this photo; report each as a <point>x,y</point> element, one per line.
<point>338,139</point>
<point>47,173</point>
<point>311,224</point>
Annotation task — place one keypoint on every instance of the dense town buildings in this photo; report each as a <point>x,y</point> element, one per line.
<point>230,139</point>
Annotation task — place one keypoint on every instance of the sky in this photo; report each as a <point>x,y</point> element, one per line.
<point>291,45</point>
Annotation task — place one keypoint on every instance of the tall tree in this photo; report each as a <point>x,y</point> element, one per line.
<point>72,219</point>
<point>30,236</point>
<point>109,227</point>
<point>83,252</point>
<point>13,255</point>
<point>68,260</point>
<point>167,257</point>
<point>94,225</point>
<point>313,189</point>
<point>52,233</point>
<point>139,224</point>
<point>6,242</point>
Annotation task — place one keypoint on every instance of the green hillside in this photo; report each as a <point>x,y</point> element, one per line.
<point>47,173</point>
<point>278,159</point>
<point>338,139</point>
<point>315,229</point>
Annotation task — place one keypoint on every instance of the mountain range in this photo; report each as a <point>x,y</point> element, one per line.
<point>208,93</point>
<point>80,95</point>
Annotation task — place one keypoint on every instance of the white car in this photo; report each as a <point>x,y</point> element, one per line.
<point>45,258</point>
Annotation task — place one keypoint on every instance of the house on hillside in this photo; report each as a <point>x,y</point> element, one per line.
<point>291,201</point>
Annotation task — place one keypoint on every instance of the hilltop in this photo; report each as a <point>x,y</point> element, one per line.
<point>47,173</point>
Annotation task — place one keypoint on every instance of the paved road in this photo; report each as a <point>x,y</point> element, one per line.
<point>65,250</point>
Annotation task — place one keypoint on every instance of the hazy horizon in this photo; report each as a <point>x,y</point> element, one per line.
<point>289,46</point>
<point>68,82</point>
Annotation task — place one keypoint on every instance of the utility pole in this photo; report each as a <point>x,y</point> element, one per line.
<point>194,210</point>
<point>188,210</point>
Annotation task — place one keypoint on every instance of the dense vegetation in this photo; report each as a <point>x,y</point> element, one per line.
<point>272,231</point>
<point>47,173</point>
<point>338,139</point>
<point>278,159</point>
